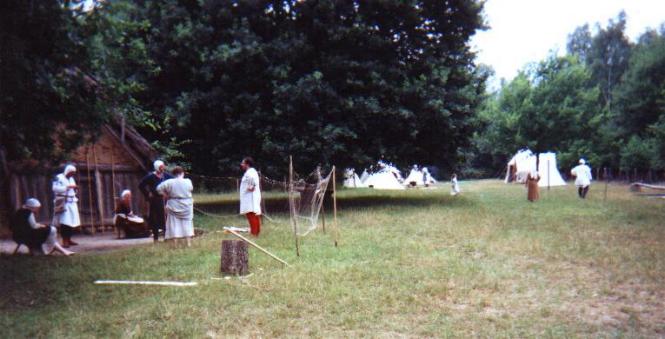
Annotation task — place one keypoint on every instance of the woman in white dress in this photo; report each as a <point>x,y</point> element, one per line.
<point>66,211</point>
<point>179,206</point>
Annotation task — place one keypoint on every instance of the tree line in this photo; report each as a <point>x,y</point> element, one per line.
<point>329,82</point>
<point>604,100</point>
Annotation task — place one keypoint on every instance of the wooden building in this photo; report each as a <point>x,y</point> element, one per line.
<point>116,161</point>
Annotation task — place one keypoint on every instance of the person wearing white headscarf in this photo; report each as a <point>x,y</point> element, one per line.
<point>582,174</point>
<point>129,224</point>
<point>35,236</point>
<point>148,186</point>
<point>179,207</point>
<point>66,211</point>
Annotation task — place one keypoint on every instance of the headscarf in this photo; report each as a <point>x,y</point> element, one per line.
<point>69,169</point>
<point>125,193</point>
<point>32,203</point>
<point>157,165</point>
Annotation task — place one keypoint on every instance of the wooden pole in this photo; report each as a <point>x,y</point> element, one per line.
<point>334,183</point>
<point>548,174</point>
<point>264,212</point>
<point>323,215</point>
<point>146,282</point>
<point>606,182</point>
<point>256,245</point>
<point>100,188</point>
<point>92,212</point>
<point>113,191</point>
<point>292,211</point>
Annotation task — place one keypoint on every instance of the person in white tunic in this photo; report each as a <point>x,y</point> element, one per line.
<point>250,196</point>
<point>454,190</point>
<point>66,211</point>
<point>179,206</point>
<point>36,236</point>
<point>582,174</point>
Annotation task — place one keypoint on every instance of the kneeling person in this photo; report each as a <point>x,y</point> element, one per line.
<point>130,224</point>
<point>36,236</point>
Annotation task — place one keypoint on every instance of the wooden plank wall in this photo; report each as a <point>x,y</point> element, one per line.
<point>39,186</point>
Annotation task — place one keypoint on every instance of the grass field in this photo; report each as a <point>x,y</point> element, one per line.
<point>413,264</point>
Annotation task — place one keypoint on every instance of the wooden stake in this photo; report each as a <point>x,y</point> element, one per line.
<point>323,215</point>
<point>292,210</point>
<point>606,181</point>
<point>336,232</point>
<point>226,230</point>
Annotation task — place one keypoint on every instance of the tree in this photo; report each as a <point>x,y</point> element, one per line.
<point>553,107</point>
<point>48,101</point>
<point>609,55</point>
<point>340,82</point>
<point>580,43</point>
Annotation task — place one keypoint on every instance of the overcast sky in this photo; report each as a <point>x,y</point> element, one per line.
<point>523,31</point>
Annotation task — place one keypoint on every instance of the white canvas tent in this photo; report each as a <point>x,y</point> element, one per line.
<point>520,165</point>
<point>383,180</point>
<point>525,162</point>
<point>429,179</point>
<point>364,176</point>
<point>351,179</point>
<point>415,178</point>
<point>548,171</point>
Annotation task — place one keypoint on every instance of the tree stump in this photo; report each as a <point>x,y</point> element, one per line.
<point>235,257</point>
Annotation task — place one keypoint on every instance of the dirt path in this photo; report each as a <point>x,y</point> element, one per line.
<point>86,243</point>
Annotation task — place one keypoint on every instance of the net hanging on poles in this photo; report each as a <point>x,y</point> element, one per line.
<point>306,200</point>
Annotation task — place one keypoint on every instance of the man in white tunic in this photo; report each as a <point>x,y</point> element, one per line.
<point>582,174</point>
<point>250,196</point>
<point>179,206</point>
<point>66,211</point>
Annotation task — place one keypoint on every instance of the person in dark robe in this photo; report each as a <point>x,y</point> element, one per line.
<point>532,186</point>
<point>148,186</point>
<point>37,237</point>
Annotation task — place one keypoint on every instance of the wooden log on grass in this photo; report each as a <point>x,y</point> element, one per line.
<point>235,257</point>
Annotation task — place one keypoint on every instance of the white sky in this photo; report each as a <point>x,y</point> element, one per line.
<point>524,31</point>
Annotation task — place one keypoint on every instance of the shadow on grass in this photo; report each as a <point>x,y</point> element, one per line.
<point>368,200</point>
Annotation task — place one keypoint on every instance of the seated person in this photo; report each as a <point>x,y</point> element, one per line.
<point>130,224</point>
<point>26,231</point>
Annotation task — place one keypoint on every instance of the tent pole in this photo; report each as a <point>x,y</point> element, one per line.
<point>548,174</point>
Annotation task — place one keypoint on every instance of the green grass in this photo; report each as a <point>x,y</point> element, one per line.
<point>415,263</point>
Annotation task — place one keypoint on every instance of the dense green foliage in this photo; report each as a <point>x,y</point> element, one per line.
<point>604,101</point>
<point>44,88</point>
<point>338,82</point>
